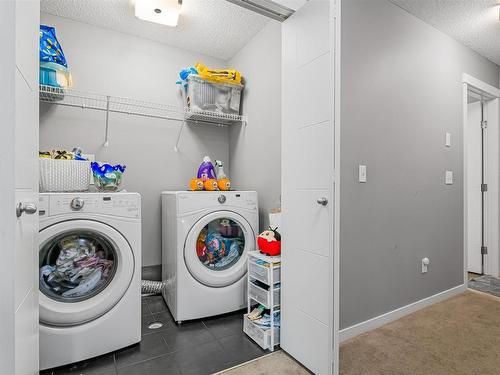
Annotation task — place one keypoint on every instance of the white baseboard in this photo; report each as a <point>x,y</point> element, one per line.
<point>391,316</point>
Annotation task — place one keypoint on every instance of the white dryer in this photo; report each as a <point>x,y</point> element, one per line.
<point>90,275</point>
<point>205,240</point>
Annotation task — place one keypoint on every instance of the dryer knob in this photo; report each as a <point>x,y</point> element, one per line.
<point>77,204</point>
<point>222,199</point>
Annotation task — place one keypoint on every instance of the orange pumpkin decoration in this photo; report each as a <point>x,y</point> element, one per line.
<point>224,184</point>
<point>211,185</point>
<point>196,184</point>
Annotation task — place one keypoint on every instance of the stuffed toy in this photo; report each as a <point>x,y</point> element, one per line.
<point>224,184</point>
<point>196,184</point>
<point>211,185</point>
<point>269,242</point>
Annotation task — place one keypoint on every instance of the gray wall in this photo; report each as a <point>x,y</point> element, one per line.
<point>401,91</point>
<point>255,150</point>
<point>108,62</point>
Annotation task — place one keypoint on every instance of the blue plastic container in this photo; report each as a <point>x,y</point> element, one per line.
<point>48,76</point>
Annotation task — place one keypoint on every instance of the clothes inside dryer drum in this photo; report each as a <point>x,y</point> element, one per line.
<point>220,244</point>
<point>76,265</point>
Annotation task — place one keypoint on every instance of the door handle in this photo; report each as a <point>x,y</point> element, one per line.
<point>28,208</point>
<point>322,201</point>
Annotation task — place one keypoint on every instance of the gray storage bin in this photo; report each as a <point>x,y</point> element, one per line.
<point>259,335</point>
<point>263,296</point>
<point>263,273</point>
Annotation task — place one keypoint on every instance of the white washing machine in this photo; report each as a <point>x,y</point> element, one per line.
<point>90,275</point>
<point>205,240</point>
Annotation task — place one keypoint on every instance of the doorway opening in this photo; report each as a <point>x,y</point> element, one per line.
<point>481,179</point>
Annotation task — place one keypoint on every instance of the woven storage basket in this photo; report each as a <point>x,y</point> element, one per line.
<point>64,175</point>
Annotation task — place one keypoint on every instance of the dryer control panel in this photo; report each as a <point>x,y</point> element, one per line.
<point>195,201</point>
<point>113,204</point>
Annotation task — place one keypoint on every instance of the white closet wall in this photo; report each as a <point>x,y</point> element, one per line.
<point>255,150</point>
<point>108,62</point>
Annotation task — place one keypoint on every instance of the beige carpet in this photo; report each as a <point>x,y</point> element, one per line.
<point>460,336</point>
<point>277,363</point>
<point>457,336</point>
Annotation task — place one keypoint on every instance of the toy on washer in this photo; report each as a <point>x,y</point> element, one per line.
<point>269,242</point>
<point>196,184</point>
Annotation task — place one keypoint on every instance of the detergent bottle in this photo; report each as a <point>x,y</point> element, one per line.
<point>206,170</point>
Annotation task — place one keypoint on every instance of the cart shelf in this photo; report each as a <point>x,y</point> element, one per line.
<point>267,270</point>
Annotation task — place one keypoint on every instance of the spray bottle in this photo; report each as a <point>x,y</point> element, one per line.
<point>222,181</point>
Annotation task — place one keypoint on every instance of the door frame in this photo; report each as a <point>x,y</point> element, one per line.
<point>335,17</point>
<point>7,189</point>
<point>492,266</point>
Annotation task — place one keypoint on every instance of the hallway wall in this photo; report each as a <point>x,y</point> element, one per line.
<point>401,91</point>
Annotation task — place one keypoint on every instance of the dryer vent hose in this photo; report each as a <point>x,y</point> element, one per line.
<point>151,287</point>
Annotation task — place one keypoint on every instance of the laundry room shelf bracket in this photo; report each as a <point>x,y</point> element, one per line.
<point>106,140</point>
<point>111,104</point>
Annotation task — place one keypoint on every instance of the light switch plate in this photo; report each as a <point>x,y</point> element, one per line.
<point>448,179</point>
<point>425,265</point>
<point>448,140</point>
<point>362,173</point>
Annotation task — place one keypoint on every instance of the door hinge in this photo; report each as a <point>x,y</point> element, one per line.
<point>484,250</point>
<point>484,124</point>
<point>484,187</point>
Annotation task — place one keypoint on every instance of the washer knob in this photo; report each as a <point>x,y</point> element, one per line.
<point>222,199</point>
<point>77,204</point>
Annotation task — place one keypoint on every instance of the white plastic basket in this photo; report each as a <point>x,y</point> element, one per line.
<point>203,95</point>
<point>64,175</point>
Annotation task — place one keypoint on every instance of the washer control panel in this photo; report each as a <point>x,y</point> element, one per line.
<point>115,204</point>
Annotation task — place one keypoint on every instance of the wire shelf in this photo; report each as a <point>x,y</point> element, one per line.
<point>213,117</point>
<point>112,104</point>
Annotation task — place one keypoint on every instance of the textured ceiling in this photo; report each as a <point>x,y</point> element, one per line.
<point>474,23</point>
<point>213,27</point>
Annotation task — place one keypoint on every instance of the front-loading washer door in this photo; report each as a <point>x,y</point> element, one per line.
<point>216,247</point>
<point>85,269</point>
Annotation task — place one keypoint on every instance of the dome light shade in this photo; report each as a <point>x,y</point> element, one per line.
<point>165,12</point>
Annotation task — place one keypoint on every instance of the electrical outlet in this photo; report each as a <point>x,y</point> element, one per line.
<point>425,265</point>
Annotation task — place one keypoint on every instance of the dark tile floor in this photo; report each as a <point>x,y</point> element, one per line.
<point>198,347</point>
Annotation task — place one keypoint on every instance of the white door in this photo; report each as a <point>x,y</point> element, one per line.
<point>19,22</point>
<point>474,172</point>
<point>308,186</point>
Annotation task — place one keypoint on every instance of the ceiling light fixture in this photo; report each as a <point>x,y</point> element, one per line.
<point>165,12</point>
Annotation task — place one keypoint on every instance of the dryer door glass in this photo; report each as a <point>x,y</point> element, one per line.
<point>76,265</point>
<point>220,244</point>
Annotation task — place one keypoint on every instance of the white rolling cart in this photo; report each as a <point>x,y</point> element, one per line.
<point>267,270</point>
